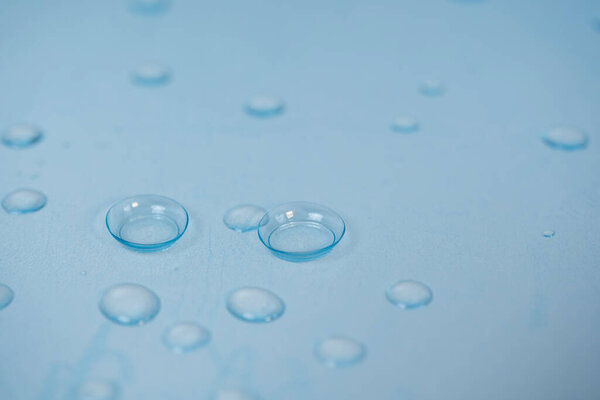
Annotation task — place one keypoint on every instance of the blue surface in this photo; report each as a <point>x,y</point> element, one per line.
<point>461,205</point>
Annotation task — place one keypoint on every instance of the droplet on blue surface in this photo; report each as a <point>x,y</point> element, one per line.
<point>149,7</point>
<point>339,351</point>
<point>97,390</point>
<point>129,304</point>
<point>23,201</point>
<point>265,106</point>
<point>6,296</point>
<point>432,88</point>
<point>184,337</point>
<point>596,24</point>
<point>233,394</point>
<point>405,124</point>
<point>409,294</point>
<point>21,135</point>
<point>549,233</point>
<point>252,304</point>
<point>243,218</point>
<point>151,74</point>
<point>565,138</point>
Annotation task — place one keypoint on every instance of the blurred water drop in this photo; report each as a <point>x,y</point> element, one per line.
<point>151,74</point>
<point>23,201</point>
<point>21,135</point>
<point>565,138</point>
<point>339,351</point>
<point>252,304</point>
<point>265,106</point>
<point>244,217</point>
<point>184,337</point>
<point>97,390</point>
<point>549,233</point>
<point>432,88</point>
<point>129,304</point>
<point>405,124</point>
<point>6,296</point>
<point>233,394</point>
<point>149,7</point>
<point>409,294</point>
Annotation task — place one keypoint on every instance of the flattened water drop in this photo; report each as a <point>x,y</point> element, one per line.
<point>233,394</point>
<point>565,138</point>
<point>21,135</point>
<point>97,390</point>
<point>6,296</point>
<point>405,124</point>
<point>549,233</point>
<point>339,351</point>
<point>243,218</point>
<point>252,304</point>
<point>129,304</point>
<point>432,88</point>
<point>151,74</point>
<point>23,201</point>
<point>265,106</point>
<point>184,337</point>
<point>149,7</point>
<point>409,294</point>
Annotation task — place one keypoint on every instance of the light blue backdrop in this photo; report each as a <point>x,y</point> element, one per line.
<point>461,205</point>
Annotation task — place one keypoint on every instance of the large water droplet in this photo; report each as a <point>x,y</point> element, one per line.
<point>97,390</point>
<point>21,135</point>
<point>549,233</point>
<point>409,294</point>
<point>23,201</point>
<point>6,296</point>
<point>432,88</point>
<point>184,337</point>
<point>151,74</point>
<point>233,394</point>
<point>565,138</point>
<point>149,7</point>
<point>339,351</point>
<point>243,218</point>
<point>405,124</point>
<point>252,304</point>
<point>129,304</point>
<point>265,106</point>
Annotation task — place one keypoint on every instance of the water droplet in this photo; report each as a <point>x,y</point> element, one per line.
<point>233,394</point>
<point>565,138</point>
<point>432,88</point>
<point>184,337</point>
<point>149,7</point>
<point>24,201</point>
<point>151,74</point>
<point>252,304</point>
<point>596,24</point>
<point>129,304</point>
<point>97,390</point>
<point>21,136</point>
<point>339,351</point>
<point>265,106</point>
<point>83,273</point>
<point>405,124</point>
<point>409,294</point>
<point>549,233</point>
<point>6,296</point>
<point>243,218</point>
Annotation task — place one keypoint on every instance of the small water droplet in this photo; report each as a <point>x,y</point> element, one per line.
<point>596,24</point>
<point>549,233</point>
<point>21,135</point>
<point>252,304</point>
<point>233,394</point>
<point>6,296</point>
<point>23,201</point>
<point>97,390</point>
<point>83,273</point>
<point>149,7</point>
<point>129,304</point>
<point>565,138</point>
<point>243,218</point>
<point>339,351</point>
<point>184,337</point>
<point>265,106</point>
<point>432,88</point>
<point>151,74</point>
<point>405,124</point>
<point>409,294</point>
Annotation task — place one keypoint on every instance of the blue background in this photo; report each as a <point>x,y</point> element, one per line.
<point>461,205</point>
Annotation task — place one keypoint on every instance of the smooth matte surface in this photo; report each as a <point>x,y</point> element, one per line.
<point>461,205</point>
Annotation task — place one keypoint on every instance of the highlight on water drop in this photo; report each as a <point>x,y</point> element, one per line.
<point>565,138</point>
<point>97,390</point>
<point>339,351</point>
<point>244,217</point>
<point>21,135</point>
<point>6,296</point>
<point>409,294</point>
<point>432,88</point>
<point>151,74</point>
<point>405,124</point>
<point>549,233</point>
<point>233,394</point>
<point>24,201</point>
<point>184,337</point>
<point>129,304</point>
<point>265,106</point>
<point>253,304</point>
